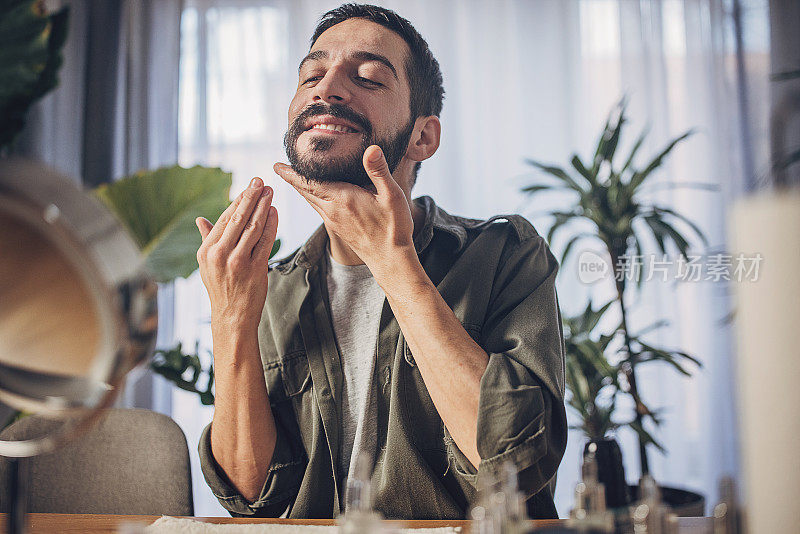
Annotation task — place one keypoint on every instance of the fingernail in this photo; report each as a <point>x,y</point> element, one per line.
<point>376,155</point>
<point>267,191</point>
<point>256,182</point>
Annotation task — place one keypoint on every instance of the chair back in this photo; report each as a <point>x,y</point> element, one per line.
<point>134,462</point>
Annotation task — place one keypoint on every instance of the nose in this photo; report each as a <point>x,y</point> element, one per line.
<point>332,88</point>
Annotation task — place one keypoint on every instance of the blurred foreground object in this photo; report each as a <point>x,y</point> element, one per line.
<point>590,512</point>
<point>500,508</point>
<point>78,310</point>
<point>359,516</point>
<point>768,354</point>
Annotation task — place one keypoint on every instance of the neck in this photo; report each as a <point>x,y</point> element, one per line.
<point>344,255</point>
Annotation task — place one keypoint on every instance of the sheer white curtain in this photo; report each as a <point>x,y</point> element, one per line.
<point>523,79</point>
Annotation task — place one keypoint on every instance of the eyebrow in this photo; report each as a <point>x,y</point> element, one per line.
<point>362,55</point>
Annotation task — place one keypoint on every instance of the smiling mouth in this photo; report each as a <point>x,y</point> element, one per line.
<point>332,129</point>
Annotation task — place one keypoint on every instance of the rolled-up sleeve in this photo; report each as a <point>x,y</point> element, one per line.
<point>289,459</point>
<point>280,487</point>
<point>521,417</point>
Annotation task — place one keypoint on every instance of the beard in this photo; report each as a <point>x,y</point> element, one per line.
<point>319,166</point>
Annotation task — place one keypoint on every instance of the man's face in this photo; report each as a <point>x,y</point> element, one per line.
<point>352,93</point>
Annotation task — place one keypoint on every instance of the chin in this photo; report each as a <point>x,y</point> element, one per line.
<point>328,145</point>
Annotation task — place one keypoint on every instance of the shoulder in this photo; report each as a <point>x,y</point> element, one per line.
<point>509,243</point>
<point>513,226</point>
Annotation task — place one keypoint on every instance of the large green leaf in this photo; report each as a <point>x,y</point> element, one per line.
<point>159,208</point>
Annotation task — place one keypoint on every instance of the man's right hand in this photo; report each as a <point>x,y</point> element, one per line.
<point>233,265</point>
<point>233,258</point>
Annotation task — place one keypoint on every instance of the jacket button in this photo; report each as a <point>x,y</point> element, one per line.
<point>387,375</point>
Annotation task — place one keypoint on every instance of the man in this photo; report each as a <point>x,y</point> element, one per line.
<point>427,342</point>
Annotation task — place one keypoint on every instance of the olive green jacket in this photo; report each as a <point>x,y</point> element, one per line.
<point>499,280</point>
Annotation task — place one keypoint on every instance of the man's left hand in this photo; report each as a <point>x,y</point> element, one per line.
<point>375,225</point>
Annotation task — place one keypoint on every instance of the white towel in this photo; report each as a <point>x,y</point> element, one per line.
<point>178,525</point>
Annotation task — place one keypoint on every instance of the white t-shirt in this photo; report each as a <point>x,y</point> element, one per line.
<point>356,301</point>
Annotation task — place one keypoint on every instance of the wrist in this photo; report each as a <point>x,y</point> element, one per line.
<point>232,337</point>
<point>403,275</point>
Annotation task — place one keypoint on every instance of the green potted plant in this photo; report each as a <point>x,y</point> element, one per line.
<point>609,197</point>
<point>592,395</point>
<point>31,41</point>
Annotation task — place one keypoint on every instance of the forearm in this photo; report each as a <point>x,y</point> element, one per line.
<point>243,429</point>
<point>448,359</point>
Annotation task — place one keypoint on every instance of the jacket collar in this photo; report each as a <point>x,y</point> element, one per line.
<point>309,255</point>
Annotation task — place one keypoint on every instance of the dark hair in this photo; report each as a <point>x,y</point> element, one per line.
<point>422,69</point>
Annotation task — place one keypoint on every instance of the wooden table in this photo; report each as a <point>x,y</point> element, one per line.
<point>107,524</point>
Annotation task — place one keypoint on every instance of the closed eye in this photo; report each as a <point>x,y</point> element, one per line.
<point>312,79</point>
<point>368,81</point>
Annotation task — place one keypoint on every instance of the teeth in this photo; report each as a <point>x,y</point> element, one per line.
<point>334,127</point>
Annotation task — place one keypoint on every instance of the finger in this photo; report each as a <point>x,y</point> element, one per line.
<point>378,170</point>
<point>205,227</point>
<point>222,222</point>
<point>255,226</point>
<point>267,239</point>
<point>313,201</point>
<point>301,184</point>
<point>241,216</point>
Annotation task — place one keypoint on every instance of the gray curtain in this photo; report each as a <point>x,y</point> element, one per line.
<point>785,91</point>
<point>114,112</point>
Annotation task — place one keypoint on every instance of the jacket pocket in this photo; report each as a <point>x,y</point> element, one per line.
<point>287,377</point>
<point>296,374</point>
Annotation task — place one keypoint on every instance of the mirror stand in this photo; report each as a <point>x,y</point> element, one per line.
<point>17,495</point>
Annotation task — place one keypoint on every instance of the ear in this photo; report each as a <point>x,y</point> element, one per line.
<point>425,138</point>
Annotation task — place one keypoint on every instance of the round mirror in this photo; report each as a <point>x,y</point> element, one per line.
<point>77,310</point>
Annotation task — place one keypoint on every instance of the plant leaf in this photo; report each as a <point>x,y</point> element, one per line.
<point>562,218</point>
<point>688,185</point>
<point>159,208</point>
<point>655,326</point>
<point>787,162</point>
<point>783,76</point>
<point>571,243</point>
<point>677,237</point>
<point>639,176</point>
<point>581,168</point>
<point>276,246</point>
<point>645,436</point>
<point>538,188</point>
<point>558,173</point>
<point>607,145</point>
<point>636,146</point>
<point>658,231</point>
<point>685,219</point>
<point>30,56</point>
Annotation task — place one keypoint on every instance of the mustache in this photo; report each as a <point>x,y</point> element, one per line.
<point>340,111</point>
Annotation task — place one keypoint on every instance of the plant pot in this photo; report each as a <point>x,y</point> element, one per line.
<point>683,502</point>
<point>610,471</point>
